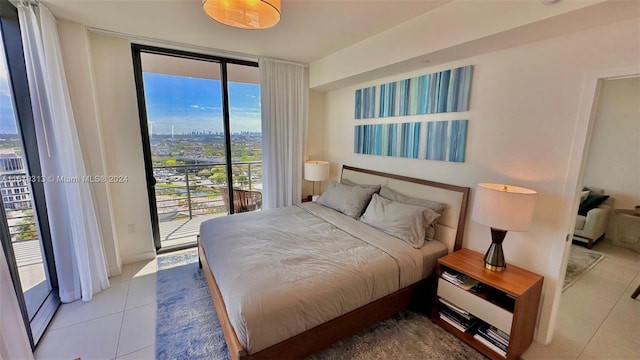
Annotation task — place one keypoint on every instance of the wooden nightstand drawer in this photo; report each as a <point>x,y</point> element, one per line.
<point>476,305</point>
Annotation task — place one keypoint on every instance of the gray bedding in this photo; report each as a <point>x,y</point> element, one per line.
<point>284,271</point>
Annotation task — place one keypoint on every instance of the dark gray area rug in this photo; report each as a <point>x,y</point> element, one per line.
<point>581,260</point>
<point>187,326</point>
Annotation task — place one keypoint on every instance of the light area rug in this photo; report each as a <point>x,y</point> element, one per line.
<point>187,326</point>
<point>581,260</point>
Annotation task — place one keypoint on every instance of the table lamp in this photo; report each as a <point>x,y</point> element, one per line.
<point>316,170</point>
<point>503,208</point>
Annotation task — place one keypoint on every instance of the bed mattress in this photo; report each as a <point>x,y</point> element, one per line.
<point>284,271</point>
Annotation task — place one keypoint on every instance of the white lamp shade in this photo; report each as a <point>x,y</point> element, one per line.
<point>504,207</point>
<point>316,170</point>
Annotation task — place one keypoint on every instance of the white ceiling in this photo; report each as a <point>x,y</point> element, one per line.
<point>308,29</point>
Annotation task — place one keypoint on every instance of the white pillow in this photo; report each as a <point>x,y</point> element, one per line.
<point>403,221</point>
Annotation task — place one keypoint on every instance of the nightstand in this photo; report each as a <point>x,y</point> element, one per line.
<point>498,315</point>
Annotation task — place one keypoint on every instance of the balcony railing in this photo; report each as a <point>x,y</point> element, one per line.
<point>191,190</point>
<point>16,198</point>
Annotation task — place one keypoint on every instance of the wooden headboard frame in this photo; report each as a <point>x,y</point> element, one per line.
<point>462,192</point>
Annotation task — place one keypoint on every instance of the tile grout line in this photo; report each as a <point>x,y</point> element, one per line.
<point>626,286</point>
<point>83,321</point>
<point>135,351</point>
<point>123,313</point>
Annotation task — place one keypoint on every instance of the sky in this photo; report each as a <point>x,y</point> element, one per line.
<point>7,119</point>
<point>193,104</point>
<point>187,104</point>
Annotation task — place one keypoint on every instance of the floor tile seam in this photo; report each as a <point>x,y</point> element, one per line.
<point>131,352</point>
<point>137,307</point>
<point>606,317</point>
<point>122,320</point>
<point>86,321</point>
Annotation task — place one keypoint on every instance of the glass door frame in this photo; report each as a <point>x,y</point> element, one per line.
<point>136,50</point>
<point>22,104</point>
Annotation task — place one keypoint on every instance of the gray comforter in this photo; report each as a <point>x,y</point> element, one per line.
<point>284,271</point>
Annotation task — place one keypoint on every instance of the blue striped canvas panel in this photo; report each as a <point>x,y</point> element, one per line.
<point>441,92</point>
<point>433,140</point>
<point>365,103</point>
<point>457,140</point>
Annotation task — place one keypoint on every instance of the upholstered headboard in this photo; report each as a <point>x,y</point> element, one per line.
<point>451,225</point>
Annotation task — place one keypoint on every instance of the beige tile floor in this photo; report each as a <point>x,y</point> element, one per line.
<point>597,317</point>
<point>119,323</point>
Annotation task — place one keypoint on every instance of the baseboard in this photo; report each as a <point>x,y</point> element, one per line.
<point>134,258</point>
<point>115,271</point>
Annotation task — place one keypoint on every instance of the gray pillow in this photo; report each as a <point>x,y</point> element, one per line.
<point>403,221</point>
<point>349,200</point>
<point>351,183</point>
<point>438,207</point>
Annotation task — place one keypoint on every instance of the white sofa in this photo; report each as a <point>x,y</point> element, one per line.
<point>591,228</point>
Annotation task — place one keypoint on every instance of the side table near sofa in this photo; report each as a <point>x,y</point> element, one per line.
<point>627,229</point>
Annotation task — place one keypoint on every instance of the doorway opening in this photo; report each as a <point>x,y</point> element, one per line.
<point>587,309</point>
<point>201,128</point>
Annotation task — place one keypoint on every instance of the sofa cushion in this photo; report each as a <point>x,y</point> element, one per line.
<point>583,195</point>
<point>591,202</point>
<point>580,221</point>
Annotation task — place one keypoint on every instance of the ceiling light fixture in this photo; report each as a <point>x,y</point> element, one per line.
<point>244,14</point>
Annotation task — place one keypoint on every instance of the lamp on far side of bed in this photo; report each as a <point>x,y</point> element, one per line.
<point>503,208</point>
<point>316,170</point>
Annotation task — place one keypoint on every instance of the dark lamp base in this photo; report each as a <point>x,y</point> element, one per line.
<point>494,258</point>
<point>494,268</point>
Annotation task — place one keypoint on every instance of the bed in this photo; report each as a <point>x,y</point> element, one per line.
<point>289,282</point>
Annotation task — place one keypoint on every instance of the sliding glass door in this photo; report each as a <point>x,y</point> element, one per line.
<point>201,133</point>
<point>24,229</point>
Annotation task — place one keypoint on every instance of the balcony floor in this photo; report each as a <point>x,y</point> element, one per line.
<point>183,230</point>
<point>28,253</point>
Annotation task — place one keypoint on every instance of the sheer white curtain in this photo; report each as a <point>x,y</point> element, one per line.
<point>14,343</point>
<point>75,231</point>
<point>285,101</point>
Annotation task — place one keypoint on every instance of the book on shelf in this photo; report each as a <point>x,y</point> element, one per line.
<point>456,320</point>
<point>459,279</point>
<point>462,312</point>
<point>498,334</point>
<point>453,323</point>
<point>488,344</point>
<point>484,331</point>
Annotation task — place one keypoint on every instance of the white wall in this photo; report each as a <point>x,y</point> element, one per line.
<point>613,160</point>
<point>118,109</point>
<point>522,120</point>
<point>315,137</point>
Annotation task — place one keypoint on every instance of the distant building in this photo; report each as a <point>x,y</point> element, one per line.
<point>13,181</point>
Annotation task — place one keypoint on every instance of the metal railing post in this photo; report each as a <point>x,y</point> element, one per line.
<point>249,165</point>
<point>186,174</point>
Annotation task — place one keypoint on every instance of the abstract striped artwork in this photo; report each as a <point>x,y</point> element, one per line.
<point>365,103</point>
<point>441,92</point>
<point>433,140</point>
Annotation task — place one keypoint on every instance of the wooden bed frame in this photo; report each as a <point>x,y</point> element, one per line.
<point>323,335</point>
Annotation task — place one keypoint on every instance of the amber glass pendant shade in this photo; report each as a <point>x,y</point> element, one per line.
<point>244,14</point>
